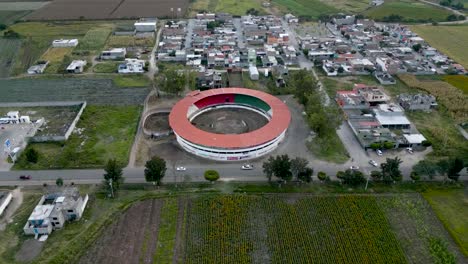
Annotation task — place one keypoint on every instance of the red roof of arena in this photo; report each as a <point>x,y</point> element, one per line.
<point>181,125</point>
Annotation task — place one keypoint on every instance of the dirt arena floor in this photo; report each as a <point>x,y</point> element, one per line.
<point>229,121</point>
<point>158,122</point>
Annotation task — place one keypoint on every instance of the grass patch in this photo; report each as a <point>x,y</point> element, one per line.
<point>234,7</point>
<point>56,57</point>
<point>107,132</point>
<point>348,5</point>
<point>106,67</point>
<point>128,41</point>
<point>329,149</point>
<point>167,232</point>
<point>134,80</point>
<point>451,208</point>
<point>411,11</point>
<point>450,40</point>
<point>305,8</point>
<point>95,39</point>
<point>459,81</point>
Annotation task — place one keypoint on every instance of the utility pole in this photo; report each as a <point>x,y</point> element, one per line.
<point>112,189</point>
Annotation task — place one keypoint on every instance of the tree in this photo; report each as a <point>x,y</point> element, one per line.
<point>375,146</point>
<point>426,143</point>
<point>172,80</point>
<point>306,175</point>
<point>279,166</point>
<point>376,175</point>
<point>391,170</point>
<point>322,176</point>
<point>417,47</point>
<point>11,34</point>
<point>155,169</point>
<point>59,182</point>
<point>32,155</point>
<point>353,177</point>
<point>2,27</point>
<point>388,145</point>
<point>340,175</point>
<point>426,168</point>
<point>298,165</point>
<point>113,175</point>
<point>211,175</point>
<point>454,168</point>
<point>415,176</point>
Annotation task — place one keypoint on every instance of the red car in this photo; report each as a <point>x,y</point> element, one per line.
<point>25,177</point>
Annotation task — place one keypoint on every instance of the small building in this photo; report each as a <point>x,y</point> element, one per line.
<point>13,117</point>
<point>64,43</point>
<point>53,210</point>
<point>372,94</point>
<point>38,68</point>
<point>384,78</point>
<point>146,25</point>
<point>417,101</point>
<point>5,199</point>
<point>391,116</point>
<point>114,54</point>
<point>253,73</point>
<point>290,18</point>
<point>76,66</point>
<point>414,140</point>
<point>132,66</point>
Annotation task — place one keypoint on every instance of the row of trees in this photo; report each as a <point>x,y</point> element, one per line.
<point>286,169</point>
<point>449,168</point>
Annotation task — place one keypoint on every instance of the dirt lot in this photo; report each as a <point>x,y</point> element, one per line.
<point>229,121</point>
<point>109,9</point>
<point>158,122</point>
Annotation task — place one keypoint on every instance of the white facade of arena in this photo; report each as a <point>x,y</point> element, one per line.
<point>229,154</point>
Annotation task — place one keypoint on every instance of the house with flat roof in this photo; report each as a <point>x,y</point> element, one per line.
<point>76,66</point>
<point>113,54</point>
<point>372,94</point>
<point>38,68</point>
<point>132,66</point>
<point>53,210</point>
<point>417,101</point>
<point>391,116</point>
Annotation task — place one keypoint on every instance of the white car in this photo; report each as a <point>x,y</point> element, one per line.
<point>373,163</point>
<point>181,169</point>
<point>247,167</point>
<point>379,152</point>
<point>410,150</point>
<point>354,167</point>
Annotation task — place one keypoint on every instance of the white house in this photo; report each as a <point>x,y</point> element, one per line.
<point>253,72</point>
<point>5,199</point>
<point>38,68</point>
<point>13,117</point>
<point>53,210</point>
<point>64,43</point>
<point>113,54</point>
<point>76,66</point>
<point>145,25</point>
<point>132,66</point>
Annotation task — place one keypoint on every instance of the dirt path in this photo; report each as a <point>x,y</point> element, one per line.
<point>16,201</point>
<point>154,221</point>
<point>179,243</point>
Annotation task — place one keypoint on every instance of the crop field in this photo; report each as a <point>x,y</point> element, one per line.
<point>452,209</point>
<point>230,6</point>
<point>108,9</point>
<point>277,229</point>
<point>22,5</point>
<point>306,8</point>
<point>8,50</point>
<point>55,56</point>
<point>129,41</point>
<point>411,11</point>
<point>451,40</point>
<point>94,91</point>
<point>95,39</point>
<point>103,132</point>
<point>459,81</point>
<point>9,17</point>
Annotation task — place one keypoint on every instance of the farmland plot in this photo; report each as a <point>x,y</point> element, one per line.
<point>94,91</point>
<point>8,51</point>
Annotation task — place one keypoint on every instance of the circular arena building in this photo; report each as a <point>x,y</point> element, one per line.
<point>229,124</point>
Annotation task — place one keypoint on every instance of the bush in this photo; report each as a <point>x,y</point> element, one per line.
<point>211,175</point>
<point>376,175</point>
<point>322,175</point>
<point>340,175</point>
<point>426,143</point>
<point>415,176</point>
<point>32,155</point>
<point>388,145</point>
<point>375,146</point>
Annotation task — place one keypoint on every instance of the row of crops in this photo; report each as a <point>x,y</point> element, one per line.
<point>250,229</point>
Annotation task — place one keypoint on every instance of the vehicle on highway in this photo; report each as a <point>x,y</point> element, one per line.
<point>354,167</point>
<point>410,150</point>
<point>25,177</point>
<point>379,152</point>
<point>181,169</point>
<point>373,163</point>
<point>247,167</point>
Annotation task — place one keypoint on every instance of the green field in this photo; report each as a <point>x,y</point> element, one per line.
<point>235,7</point>
<point>101,91</point>
<point>306,8</point>
<point>451,206</point>
<point>459,81</point>
<point>95,39</point>
<point>133,80</point>
<point>8,50</point>
<point>451,40</point>
<point>107,132</point>
<point>411,11</point>
<point>106,67</point>
<point>9,17</point>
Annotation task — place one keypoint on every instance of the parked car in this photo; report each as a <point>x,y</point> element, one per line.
<point>373,163</point>
<point>247,167</point>
<point>181,169</point>
<point>379,152</point>
<point>25,177</point>
<point>354,167</point>
<point>410,150</point>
